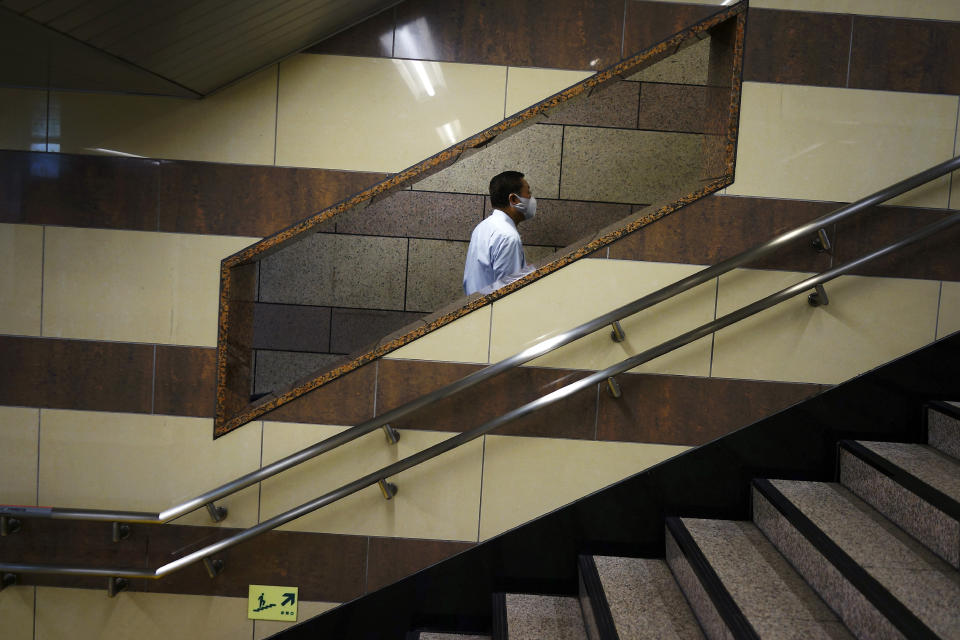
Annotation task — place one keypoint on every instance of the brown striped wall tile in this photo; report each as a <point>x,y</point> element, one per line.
<point>719,227</point>
<point>905,55</point>
<point>186,379</point>
<point>647,23</point>
<point>371,38</point>
<point>391,559</point>
<point>223,199</point>
<point>14,166</point>
<point>797,47</point>
<point>404,380</point>
<point>690,411</point>
<point>932,259</point>
<point>347,400</point>
<point>76,374</point>
<point>326,567</point>
<point>90,191</point>
<point>560,34</point>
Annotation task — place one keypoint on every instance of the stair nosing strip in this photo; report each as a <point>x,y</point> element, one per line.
<point>598,599</point>
<point>498,630</point>
<point>904,478</point>
<point>723,602</point>
<point>944,408</point>
<point>876,594</point>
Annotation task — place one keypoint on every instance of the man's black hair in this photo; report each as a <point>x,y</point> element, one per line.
<point>502,185</point>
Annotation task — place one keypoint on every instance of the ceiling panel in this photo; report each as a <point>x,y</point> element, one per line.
<point>175,47</point>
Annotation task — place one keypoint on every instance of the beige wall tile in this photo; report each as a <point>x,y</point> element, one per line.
<point>949,318</point>
<point>822,143</point>
<point>88,614</point>
<point>23,119</point>
<point>376,114</point>
<point>437,499</point>
<point>535,151</point>
<point>526,87</point>
<point>588,288</point>
<point>619,165</point>
<point>305,610</point>
<point>235,125</point>
<point>868,322</point>
<point>18,456</point>
<point>16,613</point>
<point>99,460</point>
<point>466,339</point>
<point>133,286</point>
<point>21,268</point>
<point>934,9</point>
<point>524,478</point>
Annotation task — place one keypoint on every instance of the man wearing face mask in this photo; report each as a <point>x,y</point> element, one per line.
<point>495,256</point>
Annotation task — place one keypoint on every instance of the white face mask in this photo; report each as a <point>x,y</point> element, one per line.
<point>526,206</point>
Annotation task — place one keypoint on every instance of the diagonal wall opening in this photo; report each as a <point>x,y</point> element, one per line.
<point>383,268</point>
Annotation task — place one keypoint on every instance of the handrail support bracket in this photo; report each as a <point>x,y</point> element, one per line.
<point>393,436</point>
<point>617,335</point>
<point>8,580</point>
<point>217,514</point>
<point>387,489</point>
<point>213,567</point>
<point>822,242</point>
<point>819,297</point>
<point>613,387</point>
<point>120,531</point>
<point>116,585</point>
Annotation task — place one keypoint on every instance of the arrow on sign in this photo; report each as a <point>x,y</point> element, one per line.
<point>288,598</point>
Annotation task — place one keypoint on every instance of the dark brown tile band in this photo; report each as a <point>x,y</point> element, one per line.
<point>151,195</point>
<point>107,376</point>
<point>391,559</point>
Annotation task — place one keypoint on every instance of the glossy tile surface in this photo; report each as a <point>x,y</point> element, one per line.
<point>868,322</point>
<point>185,381</point>
<point>949,318</point>
<point>800,142</point>
<point>933,9</point>
<point>402,112</point>
<point>133,286</point>
<point>535,151</point>
<point>16,611</point>
<point>566,34</point>
<point>87,614</point>
<point>391,559</point>
<point>23,119</point>
<point>76,374</point>
<point>905,55</point>
<point>516,470</point>
<point>527,86</point>
<point>100,460</point>
<point>21,268</point>
<point>588,288</point>
<point>234,125</point>
<point>797,48</point>
<point>18,455</point>
<point>617,165</point>
<point>466,339</point>
<point>354,329</point>
<point>437,499</point>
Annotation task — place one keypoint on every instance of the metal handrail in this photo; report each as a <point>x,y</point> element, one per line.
<point>541,348</point>
<point>466,436</point>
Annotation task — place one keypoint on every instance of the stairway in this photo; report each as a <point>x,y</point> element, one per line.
<point>874,555</point>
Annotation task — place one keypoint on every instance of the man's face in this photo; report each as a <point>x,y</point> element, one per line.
<point>524,191</point>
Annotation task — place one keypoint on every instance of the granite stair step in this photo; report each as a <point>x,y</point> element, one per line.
<point>633,599</point>
<point>879,580</point>
<point>943,427</point>
<point>916,486</point>
<point>741,587</point>
<point>521,616</point>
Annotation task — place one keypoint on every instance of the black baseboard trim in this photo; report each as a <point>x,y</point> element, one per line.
<point>598,599</point>
<point>723,602</point>
<point>892,609</point>
<point>498,630</point>
<point>904,478</point>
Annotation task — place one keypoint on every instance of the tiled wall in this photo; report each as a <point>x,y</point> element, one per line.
<point>805,72</point>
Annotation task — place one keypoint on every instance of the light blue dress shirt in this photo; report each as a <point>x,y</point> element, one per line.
<point>495,256</point>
